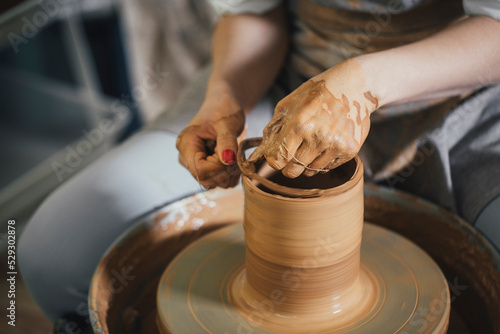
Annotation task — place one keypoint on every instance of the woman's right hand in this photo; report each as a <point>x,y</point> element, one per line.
<point>208,145</point>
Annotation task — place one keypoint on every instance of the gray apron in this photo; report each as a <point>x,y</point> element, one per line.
<point>446,150</point>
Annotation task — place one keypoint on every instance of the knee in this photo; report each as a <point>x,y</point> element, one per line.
<point>55,257</point>
<point>40,264</point>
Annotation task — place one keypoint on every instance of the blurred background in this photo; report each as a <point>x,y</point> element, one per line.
<point>77,77</point>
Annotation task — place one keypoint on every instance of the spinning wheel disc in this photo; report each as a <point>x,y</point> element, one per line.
<point>194,293</point>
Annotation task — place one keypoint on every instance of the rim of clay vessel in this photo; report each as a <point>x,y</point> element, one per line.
<point>249,170</point>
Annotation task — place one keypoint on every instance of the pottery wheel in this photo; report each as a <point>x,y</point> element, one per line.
<point>198,290</point>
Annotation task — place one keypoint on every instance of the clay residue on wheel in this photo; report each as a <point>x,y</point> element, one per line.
<point>123,289</point>
<point>468,264</point>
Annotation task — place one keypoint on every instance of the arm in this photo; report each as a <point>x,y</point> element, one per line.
<point>248,51</point>
<point>325,121</point>
<point>458,59</point>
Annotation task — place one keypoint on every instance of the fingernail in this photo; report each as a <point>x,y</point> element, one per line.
<point>228,156</point>
<point>293,171</point>
<point>309,173</point>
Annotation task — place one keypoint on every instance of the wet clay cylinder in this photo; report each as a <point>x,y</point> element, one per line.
<point>303,250</point>
<point>303,261</point>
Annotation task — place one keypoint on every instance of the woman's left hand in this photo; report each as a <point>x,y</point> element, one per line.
<point>321,125</point>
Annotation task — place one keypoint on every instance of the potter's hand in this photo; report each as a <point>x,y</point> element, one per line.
<point>321,125</point>
<point>247,53</point>
<point>207,146</point>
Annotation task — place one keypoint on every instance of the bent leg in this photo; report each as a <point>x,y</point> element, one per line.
<point>68,234</point>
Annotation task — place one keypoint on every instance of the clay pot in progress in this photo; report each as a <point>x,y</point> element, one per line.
<point>303,269</point>
<point>467,260</point>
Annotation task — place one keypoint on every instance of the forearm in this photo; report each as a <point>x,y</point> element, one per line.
<point>248,52</point>
<point>462,57</point>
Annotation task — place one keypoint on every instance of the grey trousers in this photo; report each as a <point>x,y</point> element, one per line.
<point>68,234</point>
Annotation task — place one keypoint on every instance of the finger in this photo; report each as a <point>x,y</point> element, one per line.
<point>226,176</point>
<point>189,144</point>
<point>192,155</point>
<point>283,150</point>
<point>338,161</point>
<point>310,172</point>
<point>268,135</point>
<point>207,167</point>
<point>208,184</point>
<point>325,161</point>
<point>204,168</point>
<point>227,142</point>
<point>211,182</point>
<point>304,156</point>
<point>214,159</point>
<point>234,181</point>
<point>234,172</point>
<point>223,179</point>
<point>183,161</point>
<point>258,153</point>
<point>265,146</point>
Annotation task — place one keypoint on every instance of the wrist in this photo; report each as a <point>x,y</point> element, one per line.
<point>220,87</point>
<point>219,102</point>
<point>374,74</point>
<point>349,82</point>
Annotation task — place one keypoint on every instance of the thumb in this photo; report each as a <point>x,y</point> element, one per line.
<point>227,145</point>
<point>258,153</point>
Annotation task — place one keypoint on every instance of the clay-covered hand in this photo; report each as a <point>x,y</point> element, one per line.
<point>208,145</point>
<point>321,125</point>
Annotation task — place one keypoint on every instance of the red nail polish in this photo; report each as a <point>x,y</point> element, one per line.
<point>228,156</point>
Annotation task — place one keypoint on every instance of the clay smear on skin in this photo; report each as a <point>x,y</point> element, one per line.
<point>359,118</point>
<point>314,120</point>
<point>347,72</point>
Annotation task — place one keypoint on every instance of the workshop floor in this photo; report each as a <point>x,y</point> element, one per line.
<point>29,317</point>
